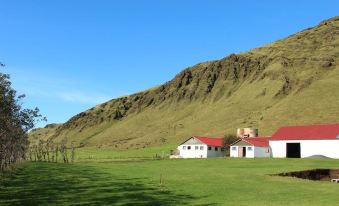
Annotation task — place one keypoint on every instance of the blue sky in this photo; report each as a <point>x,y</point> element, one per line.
<point>69,55</point>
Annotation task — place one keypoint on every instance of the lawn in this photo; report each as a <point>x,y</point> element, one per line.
<point>95,154</point>
<point>220,181</point>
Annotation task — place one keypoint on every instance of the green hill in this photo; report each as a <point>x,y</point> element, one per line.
<point>292,81</point>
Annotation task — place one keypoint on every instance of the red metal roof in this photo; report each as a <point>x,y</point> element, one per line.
<point>257,141</point>
<point>215,142</point>
<point>308,132</point>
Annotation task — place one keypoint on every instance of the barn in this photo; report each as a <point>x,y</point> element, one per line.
<point>306,141</point>
<point>251,147</point>
<point>201,147</point>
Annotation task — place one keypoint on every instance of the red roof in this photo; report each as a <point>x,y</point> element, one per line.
<point>257,141</point>
<point>215,142</point>
<point>308,132</point>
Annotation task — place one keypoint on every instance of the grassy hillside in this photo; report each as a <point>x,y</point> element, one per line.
<point>220,181</point>
<point>289,82</point>
<point>43,133</point>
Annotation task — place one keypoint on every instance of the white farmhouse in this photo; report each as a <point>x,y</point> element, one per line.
<point>306,141</point>
<point>251,147</point>
<point>201,147</point>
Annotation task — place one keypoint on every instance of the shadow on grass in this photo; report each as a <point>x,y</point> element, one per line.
<point>59,184</point>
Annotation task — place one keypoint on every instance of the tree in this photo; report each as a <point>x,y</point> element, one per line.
<point>56,153</point>
<point>15,122</point>
<point>63,151</point>
<point>72,152</point>
<point>228,140</point>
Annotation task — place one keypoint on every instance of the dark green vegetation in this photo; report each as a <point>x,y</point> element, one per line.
<point>185,182</point>
<point>15,122</point>
<point>292,81</point>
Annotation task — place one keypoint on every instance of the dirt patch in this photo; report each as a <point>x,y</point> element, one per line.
<point>316,174</point>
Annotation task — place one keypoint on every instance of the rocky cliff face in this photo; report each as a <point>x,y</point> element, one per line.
<point>243,87</point>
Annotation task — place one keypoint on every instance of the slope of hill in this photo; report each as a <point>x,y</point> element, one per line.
<point>43,133</point>
<point>291,81</point>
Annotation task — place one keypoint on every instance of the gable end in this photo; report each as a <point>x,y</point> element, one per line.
<point>192,141</point>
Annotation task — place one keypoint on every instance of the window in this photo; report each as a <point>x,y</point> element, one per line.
<point>249,148</point>
<point>201,147</point>
<point>268,150</point>
<point>216,148</point>
<point>196,147</point>
<point>209,148</point>
<point>184,147</point>
<point>189,147</point>
<point>223,149</point>
<point>234,148</point>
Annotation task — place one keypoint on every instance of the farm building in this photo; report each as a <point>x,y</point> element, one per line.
<point>201,147</point>
<point>306,141</point>
<point>251,147</point>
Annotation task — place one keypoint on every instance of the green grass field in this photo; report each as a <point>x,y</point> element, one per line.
<point>220,181</point>
<point>94,154</point>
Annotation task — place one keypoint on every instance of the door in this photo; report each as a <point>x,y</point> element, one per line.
<point>293,150</point>
<point>244,152</point>
<point>239,151</point>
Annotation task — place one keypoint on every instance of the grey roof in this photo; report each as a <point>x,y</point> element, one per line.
<point>192,141</point>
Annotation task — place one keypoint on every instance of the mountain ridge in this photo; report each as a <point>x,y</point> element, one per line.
<point>250,89</point>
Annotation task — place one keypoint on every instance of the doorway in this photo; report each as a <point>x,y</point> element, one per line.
<point>293,150</point>
<point>244,152</point>
<point>241,151</point>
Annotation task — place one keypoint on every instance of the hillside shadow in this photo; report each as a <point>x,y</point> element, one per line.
<point>46,184</point>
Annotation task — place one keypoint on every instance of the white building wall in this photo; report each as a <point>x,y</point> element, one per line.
<point>234,153</point>
<point>328,148</point>
<point>250,153</point>
<point>193,153</point>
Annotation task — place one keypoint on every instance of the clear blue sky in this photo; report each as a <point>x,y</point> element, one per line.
<point>69,55</point>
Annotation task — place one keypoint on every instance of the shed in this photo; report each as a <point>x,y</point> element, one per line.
<point>202,147</point>
<point>251,147</point>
